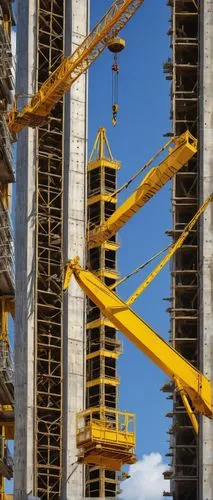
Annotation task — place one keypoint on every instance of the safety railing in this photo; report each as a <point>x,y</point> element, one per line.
<point>7,256</point>
<point>6,361</point>
<point>109,421</point>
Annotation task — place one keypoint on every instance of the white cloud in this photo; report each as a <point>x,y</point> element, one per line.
<point>13,45</point>
<point>146,481</point>
<point>13,42</point>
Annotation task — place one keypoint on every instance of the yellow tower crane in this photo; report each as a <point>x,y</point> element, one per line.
<point>51,91</point>
<point>172,250</point>
<point>194,384</point>
<point>185,147</point>
<point>100,437</point>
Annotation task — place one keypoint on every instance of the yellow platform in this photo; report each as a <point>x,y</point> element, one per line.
<point>106,438</point>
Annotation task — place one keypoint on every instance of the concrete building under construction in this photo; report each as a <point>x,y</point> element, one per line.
<point>190,72</point>
<point>66,347</point>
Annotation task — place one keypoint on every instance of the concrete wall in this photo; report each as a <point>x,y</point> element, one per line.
<point>206,246</point>
<point>76,25</point>
<point>25,261</point>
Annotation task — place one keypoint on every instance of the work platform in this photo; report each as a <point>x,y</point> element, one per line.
<point>106,438</point>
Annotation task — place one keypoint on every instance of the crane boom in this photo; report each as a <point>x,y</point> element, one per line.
<point>184,149</point>
<point>194,383</point>
<point>52,90</point>
<point>178,244</point>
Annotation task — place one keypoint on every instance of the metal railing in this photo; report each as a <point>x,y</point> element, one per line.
<point>6,361</point>
<point>7,255</point>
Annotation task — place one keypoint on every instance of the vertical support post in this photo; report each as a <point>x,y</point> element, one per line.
<point>6,233</point>
<point>76,21</point>
<point>103,346</point>
<point>206,239</point>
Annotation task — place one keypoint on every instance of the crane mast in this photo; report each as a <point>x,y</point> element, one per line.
<point>185,147</point>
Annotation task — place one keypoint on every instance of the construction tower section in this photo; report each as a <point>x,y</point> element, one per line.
<point>49,327</point>
<point>7,284</point>
<point>102,346</point>
<point>183,71</point>
<point>48,262</point>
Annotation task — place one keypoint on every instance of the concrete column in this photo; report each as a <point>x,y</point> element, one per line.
<point>75,148</point>
<point>25,260</point>
<point>206,246</point>
<point>75,153</point>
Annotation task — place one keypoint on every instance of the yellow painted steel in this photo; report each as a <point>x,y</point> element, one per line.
<point>97,323</point>
<point>101,150</point>
<point>104,353</point>
<point>51,91</point>
<point>110,245</point>
<point>103,380</point>
<point>187,405</point>
<point>107,273</point>
<point>7,420</point>
<point>113,164</point>
<point>99,197</point>
<point>171,252</point>
<point>67,275</point>
<point>9,304</point>
<point>105,437</point>
<point>144,167</point>
<point>9,430</point>
<point>194,383</point>
<point>184,149</point>
<point>139,268</point>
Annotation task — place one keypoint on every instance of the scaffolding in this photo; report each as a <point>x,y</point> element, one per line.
<point>49,264</point>
<point>103,346</point>
<point>183,71</point>
<point>6,66</point>
<point>7,262</point>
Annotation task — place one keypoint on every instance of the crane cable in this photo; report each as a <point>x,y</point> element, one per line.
<point>115,76</point>
<point>139,268</point>
<point>146,165</point>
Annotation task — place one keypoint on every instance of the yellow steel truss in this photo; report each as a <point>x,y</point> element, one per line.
<point>178,244</point>
<point>193,382</point>
<point>102,346</point>
<point>184,149</point>
<point>73,66</point>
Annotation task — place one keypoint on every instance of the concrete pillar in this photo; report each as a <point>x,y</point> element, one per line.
<point>25,260</point>
<point>206,244</point>
<point>75,152</point>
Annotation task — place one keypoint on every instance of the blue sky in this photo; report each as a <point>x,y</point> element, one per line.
<point>143,119</point>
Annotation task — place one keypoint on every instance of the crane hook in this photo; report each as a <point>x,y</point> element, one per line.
<point>115,46</point>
